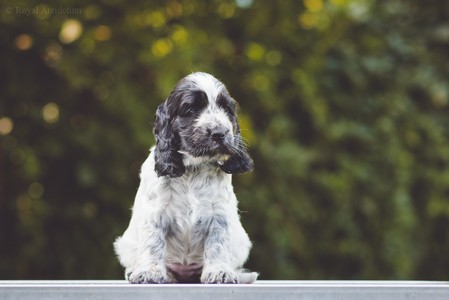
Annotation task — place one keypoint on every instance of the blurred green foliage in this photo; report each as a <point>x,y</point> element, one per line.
<point>344,104</point>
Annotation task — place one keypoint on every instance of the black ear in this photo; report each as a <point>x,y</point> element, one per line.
<point>168,161</point>
<point>240,161</point>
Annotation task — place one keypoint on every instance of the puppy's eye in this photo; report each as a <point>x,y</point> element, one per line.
<point>188,109</point>
<point>228,105</point>
<point>229,110</point>
<point>196,103</point>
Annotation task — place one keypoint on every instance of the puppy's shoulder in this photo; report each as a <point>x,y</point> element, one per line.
<point>147,168</point>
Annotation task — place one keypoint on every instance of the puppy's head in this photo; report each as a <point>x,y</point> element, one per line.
<point>198,122</point>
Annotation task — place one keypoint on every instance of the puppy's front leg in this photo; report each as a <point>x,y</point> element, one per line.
<point>216,268</point>
<point>150,265</point>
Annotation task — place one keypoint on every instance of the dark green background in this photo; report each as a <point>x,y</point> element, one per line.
<point>344,105</point>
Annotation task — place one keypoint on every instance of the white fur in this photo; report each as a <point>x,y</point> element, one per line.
<point>208,83</point>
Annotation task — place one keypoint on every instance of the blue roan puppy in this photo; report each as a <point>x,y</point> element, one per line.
<point>185,225</point>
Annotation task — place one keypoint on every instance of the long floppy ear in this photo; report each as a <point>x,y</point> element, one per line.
<point>168,161</point>
<point>240,161</point>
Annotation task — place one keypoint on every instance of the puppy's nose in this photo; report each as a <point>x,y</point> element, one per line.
<point>217,134</point>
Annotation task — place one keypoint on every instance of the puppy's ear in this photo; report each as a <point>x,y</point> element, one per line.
<point>240,161</point>
<point>168,161</point>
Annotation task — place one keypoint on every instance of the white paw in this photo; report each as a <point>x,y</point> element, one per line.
<point>150,275</point>
<point>214,275</point>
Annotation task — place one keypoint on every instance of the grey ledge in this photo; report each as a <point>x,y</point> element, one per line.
<point>277,290</point>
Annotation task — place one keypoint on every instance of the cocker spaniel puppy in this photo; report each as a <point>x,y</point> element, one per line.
<point>185,225</point>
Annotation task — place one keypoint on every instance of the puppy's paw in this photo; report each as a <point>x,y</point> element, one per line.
<point>219,276</point>
<point>151,275</point>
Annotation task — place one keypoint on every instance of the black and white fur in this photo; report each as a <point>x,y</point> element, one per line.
<point>185,225</point>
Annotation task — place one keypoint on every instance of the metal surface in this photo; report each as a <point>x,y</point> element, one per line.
<point>277,290</point>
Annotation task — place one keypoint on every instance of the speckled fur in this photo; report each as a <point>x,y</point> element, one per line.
<point>188,223</point>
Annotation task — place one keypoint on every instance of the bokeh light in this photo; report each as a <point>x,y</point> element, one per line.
<point>71,30</point>
<point>23,42</point>
<point>50,113</point>
<point>6,125</point>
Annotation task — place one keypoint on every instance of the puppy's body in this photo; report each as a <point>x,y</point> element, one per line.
<point>187,213</point>
<point>185,227</point>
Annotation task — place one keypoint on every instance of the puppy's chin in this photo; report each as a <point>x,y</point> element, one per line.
<point>218,149</point>
<point>222,159</point>
<point>190,159</point>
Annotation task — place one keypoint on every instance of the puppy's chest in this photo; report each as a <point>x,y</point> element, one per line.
<point>190,195</point>
<point>193,199</point>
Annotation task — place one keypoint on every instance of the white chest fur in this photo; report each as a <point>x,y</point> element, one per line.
<point>197,197</point>
<point>184,204</point>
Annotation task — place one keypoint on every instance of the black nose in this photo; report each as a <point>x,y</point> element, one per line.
<point>217,135</point>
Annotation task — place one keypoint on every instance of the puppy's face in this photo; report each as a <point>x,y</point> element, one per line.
<point>206,121</point>
<point>199,120</point>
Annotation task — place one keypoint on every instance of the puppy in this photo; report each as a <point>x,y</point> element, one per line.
<point>185,225</point>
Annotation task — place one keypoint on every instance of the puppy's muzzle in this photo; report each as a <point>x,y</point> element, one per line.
<point>221,140</point>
